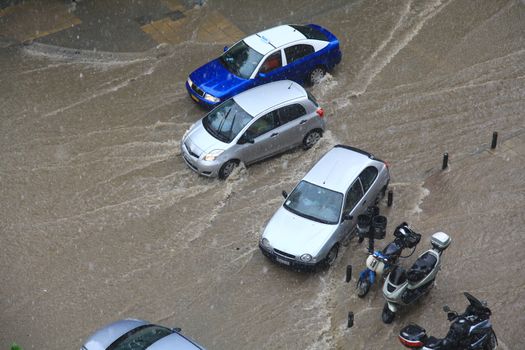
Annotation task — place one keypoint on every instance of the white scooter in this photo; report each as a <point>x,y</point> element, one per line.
<point>405,287</point>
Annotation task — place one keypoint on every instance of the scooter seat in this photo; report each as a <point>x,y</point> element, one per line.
<point>422,267</point>
<point>433,343</point>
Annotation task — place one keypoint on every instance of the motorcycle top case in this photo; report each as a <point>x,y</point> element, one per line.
<point>413,336</point>
<point>440,240</point>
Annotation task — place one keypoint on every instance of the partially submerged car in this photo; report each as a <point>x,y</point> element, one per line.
<point>138,335</point>
<point>252,126</point>
<point>295,52</point>
<point>321,211</point>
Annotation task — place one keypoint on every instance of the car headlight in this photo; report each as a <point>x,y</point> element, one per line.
<point>266,243</point>
<point>211,98</point>
<point>306,258</point>
<point>213,154</point>
<point>190,83</point>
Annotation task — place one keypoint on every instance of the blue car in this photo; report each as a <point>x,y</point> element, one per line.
<point>302,53</point>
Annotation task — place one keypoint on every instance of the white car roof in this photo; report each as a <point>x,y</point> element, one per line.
<point>270,39</point>
<point>338,168</point>
<point>261,98</point>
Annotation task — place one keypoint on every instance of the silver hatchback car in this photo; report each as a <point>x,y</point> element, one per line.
<point>253,125</point>
<point>138,335</point>
<point>321,211</point>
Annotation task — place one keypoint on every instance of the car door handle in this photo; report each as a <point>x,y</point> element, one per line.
<point>274,134</point>
<point>303,121</point>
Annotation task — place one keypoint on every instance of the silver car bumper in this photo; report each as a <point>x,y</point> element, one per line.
<point>202,167</point>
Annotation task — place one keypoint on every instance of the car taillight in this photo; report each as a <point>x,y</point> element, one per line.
<point>411,343</point>
<point>320,112</point>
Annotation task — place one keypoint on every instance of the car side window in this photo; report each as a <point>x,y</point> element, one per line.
<point>354,195</point>
<point>272,62</point>
<point>368,177</point>
<point>296,52</point>
<point>291,112</point>
<point>262,125</point>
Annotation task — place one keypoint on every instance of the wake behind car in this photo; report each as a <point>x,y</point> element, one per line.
<point>295,52</point>
<point>321,211</point>
<point>252,126</point>
<point>138,335</point>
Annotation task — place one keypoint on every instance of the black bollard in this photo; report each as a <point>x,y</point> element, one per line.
<point>494,140</point>
<point>350,319</point>
<point>348,273</point>
<point>390,199</point>
<point>445,161</point>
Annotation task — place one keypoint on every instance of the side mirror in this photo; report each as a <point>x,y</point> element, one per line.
<point>451,316</point>
<point>225,48</point>
<point>262,75</point>
<point>285,194</point>
<point>446,308</point>
<point>177,329</point>
<point>245,139</point>
<point>347,216</point>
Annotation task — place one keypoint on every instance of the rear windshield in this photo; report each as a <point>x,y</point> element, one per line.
<point>140,338</point>
<point>312,98</point>
<point>310,33</point>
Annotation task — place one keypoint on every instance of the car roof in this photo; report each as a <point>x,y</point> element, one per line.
<point>261,98</point>
<point>272,38</point>
<point>339,167</point>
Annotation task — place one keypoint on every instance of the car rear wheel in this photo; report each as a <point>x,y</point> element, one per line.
<point>227,168</point>
<point>316,75</point>
<point>311,138</point>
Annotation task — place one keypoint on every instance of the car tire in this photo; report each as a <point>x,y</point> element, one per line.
<point>316,75</point>
<point>227,168</point>
<point>331,257</point>
<point>312,138</point>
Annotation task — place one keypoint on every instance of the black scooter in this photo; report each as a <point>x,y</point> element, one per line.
<point>469,330</point>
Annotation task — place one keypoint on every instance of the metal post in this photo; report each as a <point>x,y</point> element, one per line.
<point>445,161</point>
<point>390,199</point>
<point>350,319</point>
<point>494,140</point>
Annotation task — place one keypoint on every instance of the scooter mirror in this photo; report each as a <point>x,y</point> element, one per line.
<point>446,308</point>
<point>452,316</point>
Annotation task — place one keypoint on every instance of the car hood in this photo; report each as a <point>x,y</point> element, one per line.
<point>296,235</point>
<point>216,80</point>
<point>200,141</point>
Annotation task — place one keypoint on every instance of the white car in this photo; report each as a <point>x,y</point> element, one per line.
<point>131,334</point>
<point>321,211</point>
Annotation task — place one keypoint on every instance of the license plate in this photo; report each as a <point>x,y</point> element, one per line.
<point>282,261</point>
<point>195,98</point>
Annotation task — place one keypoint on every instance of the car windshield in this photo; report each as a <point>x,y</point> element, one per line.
<point>140,338</point>
<point>241,59</point>
<point>226,121</point>
<point>315,203</point>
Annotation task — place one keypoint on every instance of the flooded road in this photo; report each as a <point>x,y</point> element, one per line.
<point>100,218</point>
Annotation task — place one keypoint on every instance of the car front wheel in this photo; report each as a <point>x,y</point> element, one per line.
<point>227,168</point>
<point>311,138</point>
<point>332,255</point>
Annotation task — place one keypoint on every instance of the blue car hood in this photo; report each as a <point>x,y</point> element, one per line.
<point>216,80</point>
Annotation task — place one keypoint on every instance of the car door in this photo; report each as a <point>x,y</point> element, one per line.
<point>271,69</point>
<point>370,187</point>
<point>293,122</point>
<point>264,135</point>
<point>298,61</point>
<point>354,205</point>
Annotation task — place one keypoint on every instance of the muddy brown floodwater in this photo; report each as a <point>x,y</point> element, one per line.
<point>100,219</point>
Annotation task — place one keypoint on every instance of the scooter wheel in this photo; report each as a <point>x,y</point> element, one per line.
<point>363,286</point>
<point>388,316</point>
